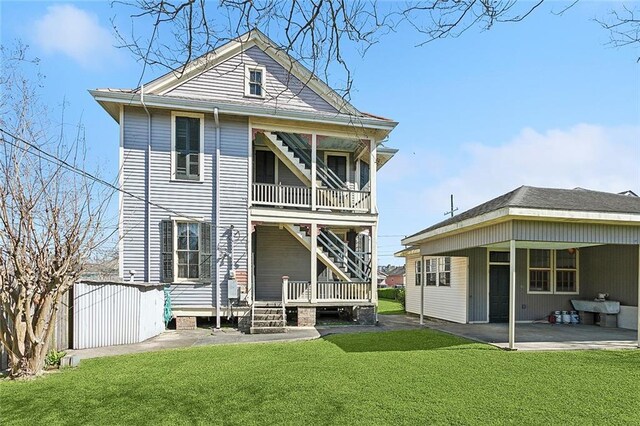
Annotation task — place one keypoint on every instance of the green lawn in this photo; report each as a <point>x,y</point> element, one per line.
<point>401,377</point>
<point>390,307</point>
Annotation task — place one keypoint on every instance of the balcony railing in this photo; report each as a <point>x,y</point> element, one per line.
<point>267,194</point>
<point>329,291</point>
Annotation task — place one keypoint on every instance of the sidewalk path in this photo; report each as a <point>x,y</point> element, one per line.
<point>172,339</point>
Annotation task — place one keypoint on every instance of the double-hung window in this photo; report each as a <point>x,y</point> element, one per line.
<point>186,251</point>
<point>418,272</point>
<point>431,271</point>
<point>437,271</point>
<point>255,81</point>
<point>553,271</point>
<point>187,144</point>
<point>444,271</point>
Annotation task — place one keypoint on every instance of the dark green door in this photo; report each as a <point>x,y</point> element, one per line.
<point>499,293</point>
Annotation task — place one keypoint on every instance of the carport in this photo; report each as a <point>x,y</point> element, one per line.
<point>550,246</point>
<point>533,336</point>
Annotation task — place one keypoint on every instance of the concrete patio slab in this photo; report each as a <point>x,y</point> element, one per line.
<point>172,339</point>
<point>543,337</point>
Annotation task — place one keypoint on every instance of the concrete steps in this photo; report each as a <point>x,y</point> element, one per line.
<point>268,317</point>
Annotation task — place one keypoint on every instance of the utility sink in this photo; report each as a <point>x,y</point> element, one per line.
<point>600,306</point>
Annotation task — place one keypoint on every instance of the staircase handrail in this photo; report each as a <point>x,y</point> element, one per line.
<point>299,147</point>
<point>337,247</point>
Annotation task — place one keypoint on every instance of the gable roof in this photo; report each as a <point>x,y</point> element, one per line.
<point>554,199</point>
<point>249,39</point>
<point>396,270</point>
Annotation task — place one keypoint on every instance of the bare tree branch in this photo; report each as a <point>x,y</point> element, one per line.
<point>623,26</point>
<point>50,217</point>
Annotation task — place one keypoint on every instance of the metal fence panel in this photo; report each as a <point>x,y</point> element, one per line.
<point>106,314</point>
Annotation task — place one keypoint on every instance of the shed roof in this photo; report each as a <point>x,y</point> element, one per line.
<point>577,199</point>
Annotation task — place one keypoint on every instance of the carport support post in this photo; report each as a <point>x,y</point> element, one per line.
<point>638,342</point>
<point>422,280</point>
<point>512,294</point>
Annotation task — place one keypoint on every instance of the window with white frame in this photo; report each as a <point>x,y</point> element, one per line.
<point>255,81</point>
<point>431,271</point>
<point>444,271</point>
<point>553,271</point>
<point>418,272</point>
<point>187,146</point>
<point>186,250</point>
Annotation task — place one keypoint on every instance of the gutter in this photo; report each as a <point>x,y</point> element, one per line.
<point>242,110</point>
<point>147,267</point>
<point>217,214</point>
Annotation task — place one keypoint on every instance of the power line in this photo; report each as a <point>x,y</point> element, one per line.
<point>53,159</point>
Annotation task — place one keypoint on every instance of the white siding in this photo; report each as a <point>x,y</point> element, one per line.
<point>447,303</point>
<point>412,299</point>
<point>226,82</point>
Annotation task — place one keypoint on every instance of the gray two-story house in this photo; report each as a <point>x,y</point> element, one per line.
<point>249,188</point>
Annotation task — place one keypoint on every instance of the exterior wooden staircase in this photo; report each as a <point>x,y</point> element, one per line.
<point>293,151</point>
<point>335,254</point>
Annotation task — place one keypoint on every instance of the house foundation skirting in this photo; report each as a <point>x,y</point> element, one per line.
<point>306,317</point>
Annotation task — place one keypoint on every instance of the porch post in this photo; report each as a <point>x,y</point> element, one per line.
<point>314,262</point>
<point>422,280</point>
<point>374,265</point>
<point>372,176</point>
<point>512,294</point>
<point>314,183</point>
<point>638,337</point>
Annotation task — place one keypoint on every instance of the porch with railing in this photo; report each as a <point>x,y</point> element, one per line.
<point>266,194</point>
<point>326,291</point>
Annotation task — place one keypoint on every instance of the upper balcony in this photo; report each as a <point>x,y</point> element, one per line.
<point>314,172</point>
<point>277,195</point>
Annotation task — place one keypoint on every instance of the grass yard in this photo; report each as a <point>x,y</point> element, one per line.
<point>390,307</point>
<point>401,377</point>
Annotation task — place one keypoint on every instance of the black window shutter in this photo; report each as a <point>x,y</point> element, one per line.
<point>166,255</point>
<point>205,250</point>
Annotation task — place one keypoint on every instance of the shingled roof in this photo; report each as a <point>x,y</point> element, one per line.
<point>577,199</point>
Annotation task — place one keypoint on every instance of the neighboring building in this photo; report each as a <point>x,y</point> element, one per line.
<point>244,169</point>
<point>560,244</point>
<point>395,276</point>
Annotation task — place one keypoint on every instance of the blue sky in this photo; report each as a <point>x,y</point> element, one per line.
<point>544,102</point>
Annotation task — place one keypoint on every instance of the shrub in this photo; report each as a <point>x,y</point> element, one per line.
<point>401,296</point>
<point>387,293</point>
<point>54,357</point>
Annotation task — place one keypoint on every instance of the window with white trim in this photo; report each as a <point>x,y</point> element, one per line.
<point>255,81</point>
<point>186,250</point>
<point>431,271</point>
<point>444,272</point>
<point>187,146</point>
<point>553,271</point>
<point>418,272</point>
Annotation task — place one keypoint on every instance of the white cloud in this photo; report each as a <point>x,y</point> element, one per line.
<point>587,156</point>
<point>76,33</point>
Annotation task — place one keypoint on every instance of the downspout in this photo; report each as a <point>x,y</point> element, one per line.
<point>217,217</point>
<point>147,270</point>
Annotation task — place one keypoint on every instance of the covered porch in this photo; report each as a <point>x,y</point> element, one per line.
<point>303,264</point>
<point>543,337</point>
<point>535,251</point>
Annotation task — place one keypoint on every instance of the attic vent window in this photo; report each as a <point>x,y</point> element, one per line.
<point>255,81</point>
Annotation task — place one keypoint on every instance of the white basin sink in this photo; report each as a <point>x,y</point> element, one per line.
<point>603,307</point>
